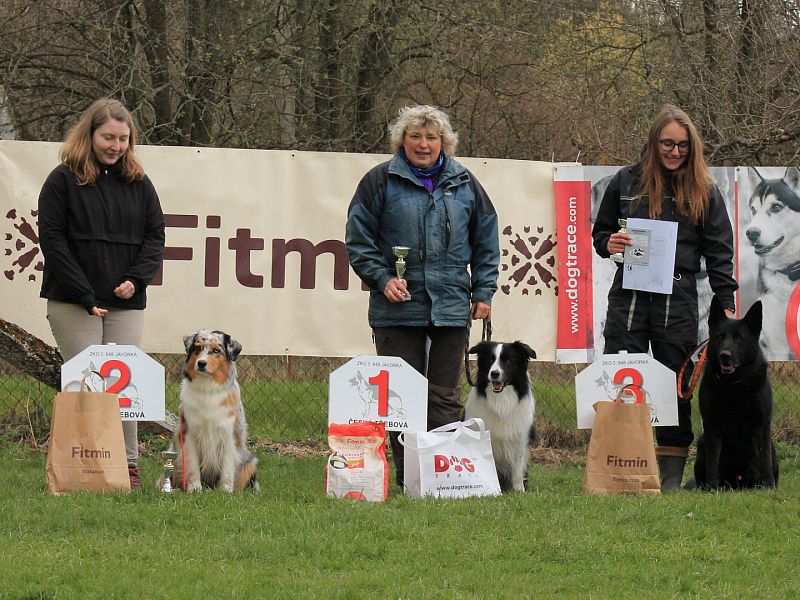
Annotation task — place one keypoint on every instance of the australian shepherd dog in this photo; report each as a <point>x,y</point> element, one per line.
<point>503,398</point>
<point>211,441</point>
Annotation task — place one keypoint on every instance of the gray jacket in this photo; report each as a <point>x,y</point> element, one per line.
<point>452,233</point>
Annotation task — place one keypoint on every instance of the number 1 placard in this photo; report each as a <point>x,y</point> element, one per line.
<point>385,389</point>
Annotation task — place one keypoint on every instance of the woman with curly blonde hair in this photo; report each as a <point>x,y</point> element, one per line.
<point>423,199</point>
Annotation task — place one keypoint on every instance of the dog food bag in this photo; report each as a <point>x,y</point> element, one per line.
<point>357,468</point>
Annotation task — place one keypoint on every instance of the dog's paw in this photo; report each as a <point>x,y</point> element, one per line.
<point>226,487</point>
<point>194,486</point>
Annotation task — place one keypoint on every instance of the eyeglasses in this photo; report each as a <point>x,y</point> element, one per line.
<point>668,145</point>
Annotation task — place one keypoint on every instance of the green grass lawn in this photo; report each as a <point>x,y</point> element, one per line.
<point>291,541</point>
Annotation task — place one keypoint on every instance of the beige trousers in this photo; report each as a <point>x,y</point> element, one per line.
<point>75,330</point>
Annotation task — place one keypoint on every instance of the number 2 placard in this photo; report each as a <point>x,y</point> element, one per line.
<point>124,370</point>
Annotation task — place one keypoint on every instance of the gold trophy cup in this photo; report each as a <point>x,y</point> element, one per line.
<point>169,468</point>
<point>400,264</point>
<point>619,256</point>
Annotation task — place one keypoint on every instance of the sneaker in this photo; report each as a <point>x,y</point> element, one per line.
<point>133,473</point>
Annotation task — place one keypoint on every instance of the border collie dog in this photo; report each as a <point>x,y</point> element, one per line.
<point>503,398</point>
<point>211,441</point>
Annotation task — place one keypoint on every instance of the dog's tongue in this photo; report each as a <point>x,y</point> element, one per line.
<point>498,387</point>
<point>727,369</point>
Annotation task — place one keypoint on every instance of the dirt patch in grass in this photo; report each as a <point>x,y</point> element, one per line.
<point>299,448</point>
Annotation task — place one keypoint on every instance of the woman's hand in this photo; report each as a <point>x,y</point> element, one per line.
<point>617,242</point>
<point>396,290</point>
<point>99,312</point>
<point>481,310</point>
<point>125,290</point>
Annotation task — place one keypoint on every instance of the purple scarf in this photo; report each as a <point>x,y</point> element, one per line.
<point>427,177</point>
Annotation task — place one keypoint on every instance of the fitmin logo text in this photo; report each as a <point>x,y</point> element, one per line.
<point>442,464</point>
<point>527,266</point>
<point>245,248</point>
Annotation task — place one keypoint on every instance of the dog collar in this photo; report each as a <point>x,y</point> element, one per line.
<point>792,271</point>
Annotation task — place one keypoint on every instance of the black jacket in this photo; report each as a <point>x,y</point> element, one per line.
<point>94,237</point>
<point>712,238</point>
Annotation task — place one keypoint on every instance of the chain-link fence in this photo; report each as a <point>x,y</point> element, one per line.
<point>286,398</point>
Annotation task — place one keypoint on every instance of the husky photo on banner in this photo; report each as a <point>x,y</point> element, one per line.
<point>769,254</point>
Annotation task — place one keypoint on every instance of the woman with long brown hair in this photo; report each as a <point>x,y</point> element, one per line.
<point>671,183</point>
<point>101,231</point>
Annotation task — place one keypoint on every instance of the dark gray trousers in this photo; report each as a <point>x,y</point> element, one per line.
<point>442,366</point>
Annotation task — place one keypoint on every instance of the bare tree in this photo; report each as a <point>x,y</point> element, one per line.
<point>533,80</point>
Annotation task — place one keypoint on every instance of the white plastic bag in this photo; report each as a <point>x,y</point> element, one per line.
<point>452,461</point>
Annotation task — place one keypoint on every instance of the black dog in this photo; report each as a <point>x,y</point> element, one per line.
<point>736,449</point>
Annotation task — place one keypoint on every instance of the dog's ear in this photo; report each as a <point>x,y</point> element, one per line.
<point>526,349</point>
<point>232,347</point>
<point>188,342</point>
<point>754,177</point>
<point>716,313</point>
<point>754,317</point>
<point>474,349</point>
<point>792,179</point>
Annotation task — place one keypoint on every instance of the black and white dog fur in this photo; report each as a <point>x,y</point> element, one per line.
<point>503,398</point>
<point>774,234</point>
<point>211,441</point>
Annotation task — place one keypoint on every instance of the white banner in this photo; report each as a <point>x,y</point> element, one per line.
<point>255,247</point>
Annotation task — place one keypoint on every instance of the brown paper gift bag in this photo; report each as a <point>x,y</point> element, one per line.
<point>86,450</point>
<point>621,457</point>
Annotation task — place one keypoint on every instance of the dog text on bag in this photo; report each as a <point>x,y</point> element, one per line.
<point>443,463</point>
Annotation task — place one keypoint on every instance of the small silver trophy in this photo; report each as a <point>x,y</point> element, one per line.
<point>169,468</point>
<point>400,264</point>
<point>619,256</point>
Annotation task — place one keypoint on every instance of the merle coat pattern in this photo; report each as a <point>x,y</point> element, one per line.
<point>211,440</point>
<point>736,449</point>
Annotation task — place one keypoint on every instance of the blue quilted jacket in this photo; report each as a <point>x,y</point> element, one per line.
<point>452,233</point>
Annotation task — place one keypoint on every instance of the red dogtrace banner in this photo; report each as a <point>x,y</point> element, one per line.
<point>575,341</point>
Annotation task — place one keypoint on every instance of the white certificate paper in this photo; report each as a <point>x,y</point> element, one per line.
<point>650,262</point>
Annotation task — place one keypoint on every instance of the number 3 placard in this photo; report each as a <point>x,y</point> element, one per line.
<point>137,379</point>
<point>649,381</point>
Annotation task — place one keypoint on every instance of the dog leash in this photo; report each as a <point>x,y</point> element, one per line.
<point>486,336</point>
<point>183,456</point>
<point>698,356</point>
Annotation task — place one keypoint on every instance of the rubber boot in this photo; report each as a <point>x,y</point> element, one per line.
<point>671,462</point>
